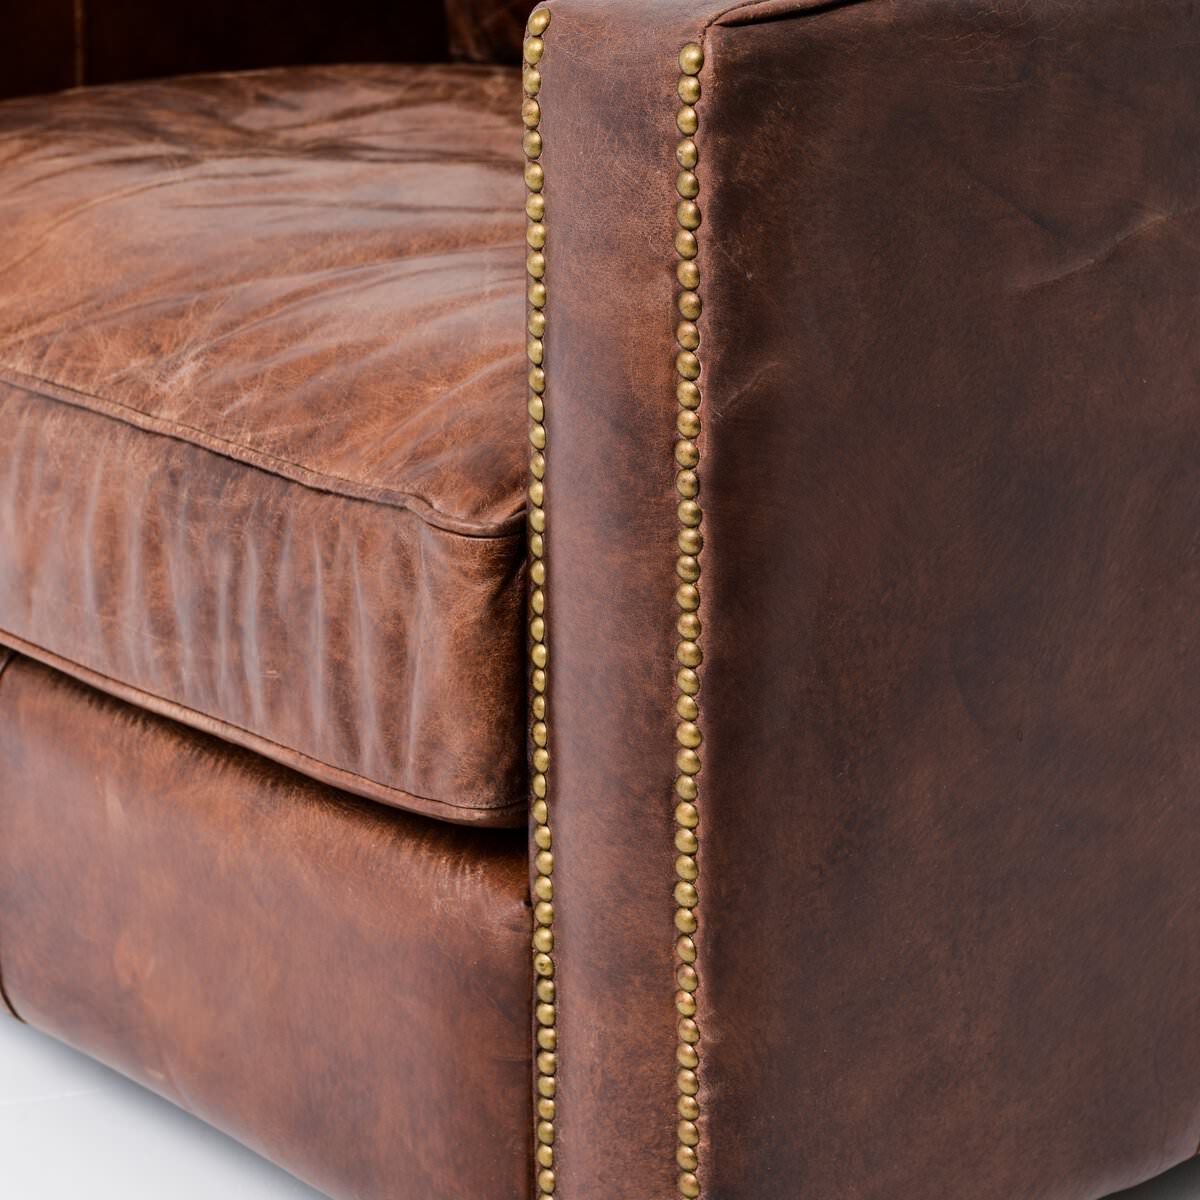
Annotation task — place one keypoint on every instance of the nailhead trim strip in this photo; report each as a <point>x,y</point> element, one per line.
<point>546,1010</point>
<point>687,651</point>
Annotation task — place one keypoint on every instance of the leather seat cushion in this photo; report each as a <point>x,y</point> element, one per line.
<point>262,415</point>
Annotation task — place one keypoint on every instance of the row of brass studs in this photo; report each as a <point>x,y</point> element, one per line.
<point>687,652</point>
<point>546,1010</point>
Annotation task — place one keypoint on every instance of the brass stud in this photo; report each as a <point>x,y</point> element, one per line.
<point>537,598</point>
<point>688,598</point>
<point>535,264</point>
<point>690,513</point>
<point>543,941</point>
<point>537,294</point>
<point>536,324</point>
<point>689,1185</point>
<point>545,992</point>
<point>688,425</point>
<point>532,80</point>
<point>545,1132</point>
<point>688,732</point>
<point>686,452</point>
<point>688,214</point>
<point>688,365</point>
<point>686,1157</point>
<point>685,920</point>
<point>687,483</point>
<point>688,761</point>
<point>532,144</point>
<point>689,654</point>
<point>537,492</point>
<point>688,626</point>
<point>686,1079</point>
<point>534,49</point>
<point>687,185</point>
<point>688,1108</point>
<point>534,351</point>
<point>685,1006</point>
<point>691,58</point>
<point>537,409</point>
<point>547,1039</point>
<point>539,785</point>
<point>537,436</point>
<point>545,1156</point>
<point>688,274</point>
<point>535,176</point>
<point>531,113</point>
<point>686,895</point>
<point>689,89</point>
<point>687,154</point>
<point>541,756</point>
<point>687,120</point>
<point>543,888</point>
<point>688,682</point>
<point>687,393</point>
<point>537,573</point>
<point>537,631</point>
<point>538,679</point>
<point>687,334</point>
<point>543,964</point>
<point>540,733</point>
<point>687,815</point>
<point>686,245</point>
<point>535,206</point>
<point>538,21</point>
<point>686,868</point>
<point>544,862</point>
<point>687,568</point>
<point>537,545</point>
<point>686,1056</point>
<point>689,305</point>
<point>687,1133</point>
<point>687,979</point>
<point>539,655</point>
<point>546,1182</point>
<point>535,236</point>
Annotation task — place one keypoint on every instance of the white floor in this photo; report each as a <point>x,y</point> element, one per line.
<point>72,1130</point>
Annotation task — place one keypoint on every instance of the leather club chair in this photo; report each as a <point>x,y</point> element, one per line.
<point>784,503</point>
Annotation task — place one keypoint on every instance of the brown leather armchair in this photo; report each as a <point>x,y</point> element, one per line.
<point>844,574</point>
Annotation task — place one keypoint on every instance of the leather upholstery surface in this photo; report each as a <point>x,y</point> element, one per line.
<point>343,987</point>
<point>262,419</point>
<point>949,914</point>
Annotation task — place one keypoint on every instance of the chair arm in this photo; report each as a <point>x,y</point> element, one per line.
<point>868,607</point>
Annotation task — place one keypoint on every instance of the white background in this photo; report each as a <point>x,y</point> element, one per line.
<point>72,1130</point>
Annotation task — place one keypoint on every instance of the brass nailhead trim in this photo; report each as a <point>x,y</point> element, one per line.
<point>688,652</point>
<point>546,1010</point>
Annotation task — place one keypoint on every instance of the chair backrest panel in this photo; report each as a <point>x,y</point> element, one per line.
<point>486,30</point>
<point>54,44</point>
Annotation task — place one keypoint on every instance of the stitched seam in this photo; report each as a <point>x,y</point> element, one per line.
<point>79,671</point>
<point>259,460</point>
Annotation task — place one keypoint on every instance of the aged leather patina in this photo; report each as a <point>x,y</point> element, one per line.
<point>849,598</point>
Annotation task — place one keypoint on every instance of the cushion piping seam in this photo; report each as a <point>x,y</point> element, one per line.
<point>50,657</point>
<point>508,529</point>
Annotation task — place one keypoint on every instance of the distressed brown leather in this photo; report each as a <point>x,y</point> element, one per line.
<point>52,44</point>
<point>343,987</point>
<point>949,908</point>
<point>261,416</point>
<point>486,30</point>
